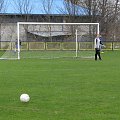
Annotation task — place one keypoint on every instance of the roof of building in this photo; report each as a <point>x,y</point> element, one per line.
<point>40,6</point>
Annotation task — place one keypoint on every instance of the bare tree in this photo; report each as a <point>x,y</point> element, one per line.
<point>23,6</point>
<point>3,5</point>
<point>71,9</point>
<point>47,9</point>
<point>115,19</point>
<point>47,6</point>
<point>106,12</point>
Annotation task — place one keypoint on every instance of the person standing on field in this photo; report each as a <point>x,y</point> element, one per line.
<point>97,46</point>
<point>16,45</point>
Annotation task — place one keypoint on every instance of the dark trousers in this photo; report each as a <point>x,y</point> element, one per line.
<point>97,53</point>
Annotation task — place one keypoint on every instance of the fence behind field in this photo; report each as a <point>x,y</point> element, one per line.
<point>58,45</point>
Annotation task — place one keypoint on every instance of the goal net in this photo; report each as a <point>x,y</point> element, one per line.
<point>53,40</point>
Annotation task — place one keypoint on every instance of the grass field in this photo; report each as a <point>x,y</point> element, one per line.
<point>61,89</point>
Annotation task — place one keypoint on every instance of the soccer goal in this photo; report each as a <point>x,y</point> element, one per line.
<point>53,40</point>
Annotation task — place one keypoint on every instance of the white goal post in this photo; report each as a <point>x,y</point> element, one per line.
<point>41,23</point>
<point>48,40</point>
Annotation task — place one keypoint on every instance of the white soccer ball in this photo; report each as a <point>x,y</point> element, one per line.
<point>24,98</point>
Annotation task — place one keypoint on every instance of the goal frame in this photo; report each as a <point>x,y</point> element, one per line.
<point>43,23</point>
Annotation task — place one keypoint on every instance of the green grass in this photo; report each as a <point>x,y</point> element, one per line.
<point>61,89</point>
<point>45,54</point>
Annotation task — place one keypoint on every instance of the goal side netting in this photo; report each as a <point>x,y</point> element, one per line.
<point>52,40</point>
